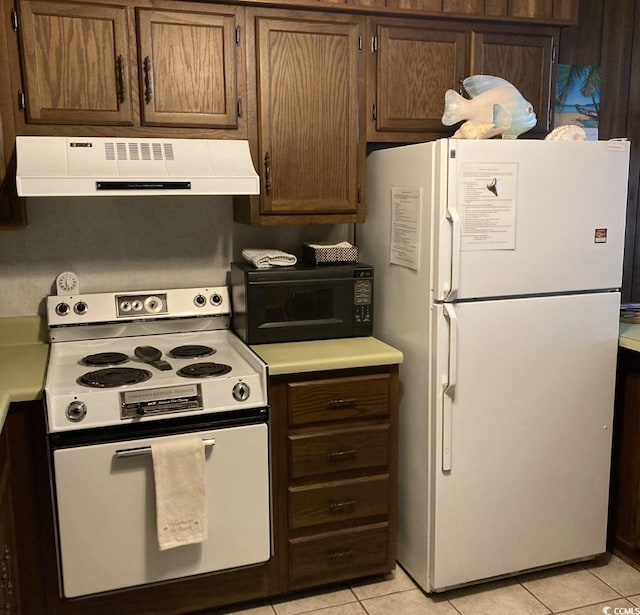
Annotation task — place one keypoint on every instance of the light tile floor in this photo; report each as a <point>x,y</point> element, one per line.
<point>577,589</point>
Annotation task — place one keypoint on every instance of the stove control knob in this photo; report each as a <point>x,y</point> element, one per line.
<point>76,411</point>
<point>200,300</point>
<point>241,391</point>
<point>216,299</point>
<point>80,308</point>
<point>62,309</point>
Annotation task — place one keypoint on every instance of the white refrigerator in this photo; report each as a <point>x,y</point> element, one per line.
<point>497,266</point>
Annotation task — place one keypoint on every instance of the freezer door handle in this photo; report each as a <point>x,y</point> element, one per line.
<point>449,388</point>
<point>454,218</point>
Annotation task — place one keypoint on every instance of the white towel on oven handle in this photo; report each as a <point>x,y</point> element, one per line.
<point>181,507</point>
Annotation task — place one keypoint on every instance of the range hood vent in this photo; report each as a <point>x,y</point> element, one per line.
<point>95,166</point>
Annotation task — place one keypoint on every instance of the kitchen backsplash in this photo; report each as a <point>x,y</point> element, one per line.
<point>130,243</point>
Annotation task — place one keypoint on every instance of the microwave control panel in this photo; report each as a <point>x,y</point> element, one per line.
<point>363,299</point>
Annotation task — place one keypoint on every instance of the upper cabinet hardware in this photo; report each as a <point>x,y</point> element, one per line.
<point>120,80</point>
<point>267,173</point>
<point>14,20</point>
<point>148,80</point>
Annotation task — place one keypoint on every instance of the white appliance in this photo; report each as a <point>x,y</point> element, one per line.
<point>98,166</point>
<point>497,267</point>
<point>128,370</point>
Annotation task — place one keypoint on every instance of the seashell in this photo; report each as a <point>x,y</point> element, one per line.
<point>567,133</point>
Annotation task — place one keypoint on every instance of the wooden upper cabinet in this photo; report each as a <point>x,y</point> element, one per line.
<point>411,67</point>
<point>187,67</point>
<point>534,10</point>
<point>526,60</point>
<point>310,117</point>
<point>76,62</point>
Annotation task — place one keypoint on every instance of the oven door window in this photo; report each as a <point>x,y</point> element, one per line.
<point>106,512</point>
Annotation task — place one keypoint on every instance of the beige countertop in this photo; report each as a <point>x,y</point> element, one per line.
<point>294,357</point>
<point>23,360</point>
<point>24,352</point>
<point>629,336</point>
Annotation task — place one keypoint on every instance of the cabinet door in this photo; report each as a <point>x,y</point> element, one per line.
<point>524,59</point>
<point>412,68</point>
<point>76,62</point>
<point>188,68</point>
<point>310,115</point>
<point>9,595</point>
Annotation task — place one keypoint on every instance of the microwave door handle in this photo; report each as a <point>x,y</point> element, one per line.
<point>140,451</point>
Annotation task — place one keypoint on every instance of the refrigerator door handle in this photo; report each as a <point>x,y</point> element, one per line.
<point>452,318</point>
<point>449,388</point>
<point>454,217</point>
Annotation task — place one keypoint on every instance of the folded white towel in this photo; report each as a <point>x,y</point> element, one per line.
<point>181,508</point>
<point>269,258</point>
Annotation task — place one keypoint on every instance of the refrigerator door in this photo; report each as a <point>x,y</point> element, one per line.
<point>528,217</point>
<point>520,450</point>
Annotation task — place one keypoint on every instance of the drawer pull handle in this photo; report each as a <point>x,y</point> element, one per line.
<point>338,556</point>
<point>339,507</point>
<point>338,404</point>
<point>342,455</point>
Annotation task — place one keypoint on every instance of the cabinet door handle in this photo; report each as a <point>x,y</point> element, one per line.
<point>267,173</point>
<point>338,404</point>
<point>342,455</point>
<point>340,507</point>
<point>120,80</point>
<point>148,80</point>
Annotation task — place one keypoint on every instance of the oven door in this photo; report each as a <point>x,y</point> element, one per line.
<point>107,521</point>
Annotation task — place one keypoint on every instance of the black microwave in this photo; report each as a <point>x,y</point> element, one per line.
<point>301,302</point>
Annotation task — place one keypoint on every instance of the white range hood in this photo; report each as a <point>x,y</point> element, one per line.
<point>96,166</point>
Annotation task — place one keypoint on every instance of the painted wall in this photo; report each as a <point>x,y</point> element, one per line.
<point>129,243</point>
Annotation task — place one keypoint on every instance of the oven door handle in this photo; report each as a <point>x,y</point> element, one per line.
<point>146,450</point>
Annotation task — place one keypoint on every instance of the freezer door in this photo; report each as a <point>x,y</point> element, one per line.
<point>527,217</point>
<point>523,401</point>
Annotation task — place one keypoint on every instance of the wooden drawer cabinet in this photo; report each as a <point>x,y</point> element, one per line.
<point>335,399</point>
<point>338,450</point>
<point>338,501</point>
<point>336,441</point>
<point>336,556</point>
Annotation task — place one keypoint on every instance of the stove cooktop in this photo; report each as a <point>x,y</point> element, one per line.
<point>101,382</point>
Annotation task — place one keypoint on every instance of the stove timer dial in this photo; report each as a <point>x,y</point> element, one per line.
<point>67,283</point>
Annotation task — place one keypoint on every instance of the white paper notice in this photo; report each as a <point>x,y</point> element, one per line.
<point>487,195</point>
<point>406,211</point>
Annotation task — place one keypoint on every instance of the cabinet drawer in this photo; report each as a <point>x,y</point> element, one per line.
<point>338,501</point>
<point>336,555</point>
<point>338,398</point>
<point>338,451</point>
